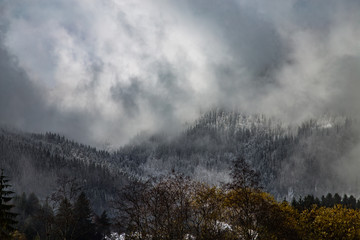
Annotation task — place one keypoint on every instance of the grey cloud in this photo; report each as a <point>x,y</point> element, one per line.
<point>346,74</point>
<point>109,70</point>
<point>251,40</point>
<point>160,100</point>
<point>23,105</point>
<point>20,102</point>
<point>128,96</point>
<point>315,15</point>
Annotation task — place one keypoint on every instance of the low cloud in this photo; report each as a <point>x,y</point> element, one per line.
<point>104,70</point>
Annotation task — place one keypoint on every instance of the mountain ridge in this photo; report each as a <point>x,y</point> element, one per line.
<point>292,161</point>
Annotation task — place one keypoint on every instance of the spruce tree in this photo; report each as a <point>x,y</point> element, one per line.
<point>64,220</point>
<point>102,225</point>
<point>337,199</point>
<point>84,229</point>
<point>7,218</point>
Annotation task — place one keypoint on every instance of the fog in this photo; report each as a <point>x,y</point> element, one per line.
<point>103,70</point>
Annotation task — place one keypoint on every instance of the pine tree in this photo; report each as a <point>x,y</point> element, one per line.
<point>6,216</point>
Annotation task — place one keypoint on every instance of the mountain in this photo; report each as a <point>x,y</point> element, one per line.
<point>315,157</point>
<point>40,163</point>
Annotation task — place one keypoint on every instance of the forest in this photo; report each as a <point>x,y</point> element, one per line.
<point>179,120</point>
<point>228,175</point>
<point>175,207</point>
<point>316,156</point>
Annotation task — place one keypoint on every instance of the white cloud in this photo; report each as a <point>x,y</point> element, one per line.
<point>120,67</point>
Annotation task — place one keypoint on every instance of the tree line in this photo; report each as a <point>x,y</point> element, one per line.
<point>175,207</point>
<point>35,161</point>
<point>326,201</point>
<point>65,214</point>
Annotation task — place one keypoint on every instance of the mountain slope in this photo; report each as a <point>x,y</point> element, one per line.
<point>318,156</point>
<point>310,158</point>
<point>38,162</point>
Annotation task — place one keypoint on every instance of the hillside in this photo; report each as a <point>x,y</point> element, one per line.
<point>313,157</point>
<point>39,162</point>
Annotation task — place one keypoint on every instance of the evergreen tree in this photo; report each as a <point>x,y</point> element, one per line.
<point>46,219</point>
<point>84,229</point>
<point>64,221</point>
<point>345,200</point>
<point>102,225</point>
<point>329,200</point>
<point>27,209</point>
<point>337,199</point>
<point>6,216</point>
<point>358,204</point>
<point>309,201</point>
<point>351,202</point>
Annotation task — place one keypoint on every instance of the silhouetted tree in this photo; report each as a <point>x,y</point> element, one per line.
<point>351,202</point>
<point>7,217</point>
<point>337,199</point>
<point>84,228</point>
<point>102,225</point>
<point>27,209</point>
<point>64,221</point>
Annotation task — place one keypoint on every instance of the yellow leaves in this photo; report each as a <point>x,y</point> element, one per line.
<point>205,194</point>
<point>274,220</point>
<point>237,197</point>
<point>16,235</point>
<point>177,207</point>
<point>246,209</point>
<point>330,223</point>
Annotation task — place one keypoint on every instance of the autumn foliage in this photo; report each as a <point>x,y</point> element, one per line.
<point>175,207</point>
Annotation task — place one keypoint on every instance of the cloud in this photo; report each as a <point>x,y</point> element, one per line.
<point>104,70</point>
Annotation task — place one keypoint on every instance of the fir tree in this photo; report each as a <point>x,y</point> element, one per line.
<point>102,225</point>
<point>64,220</point>
<point>84,229</point>
<point>6,216</point>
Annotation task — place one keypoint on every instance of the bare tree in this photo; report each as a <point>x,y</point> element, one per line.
<point>245,201</point>
<point>157,209</point>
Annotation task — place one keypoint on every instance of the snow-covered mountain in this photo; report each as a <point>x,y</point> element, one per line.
<point>37,162</point>
<point>313,157</point>
<point>318,156</point>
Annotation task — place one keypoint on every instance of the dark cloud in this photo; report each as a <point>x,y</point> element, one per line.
<point>346,74</point>
<point>20,101</point>
<point>253,42</point>
<point>128,96</point>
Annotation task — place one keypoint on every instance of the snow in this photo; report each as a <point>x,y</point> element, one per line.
<point>115,236</point>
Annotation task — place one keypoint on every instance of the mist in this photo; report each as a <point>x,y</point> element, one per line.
<point>103,70</point>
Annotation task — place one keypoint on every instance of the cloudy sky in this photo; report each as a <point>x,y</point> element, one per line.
<point>104,70</point>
